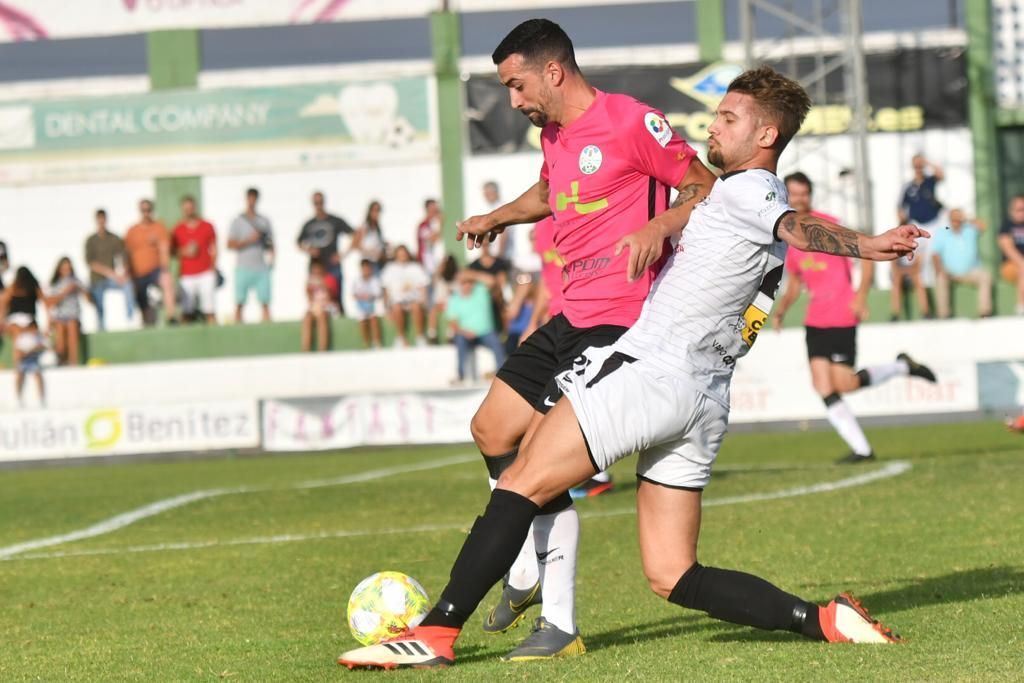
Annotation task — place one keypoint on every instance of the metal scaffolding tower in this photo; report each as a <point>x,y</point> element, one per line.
<point>825,40</point>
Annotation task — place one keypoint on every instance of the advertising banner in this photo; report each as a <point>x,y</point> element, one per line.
<point>908,90</point>
<point>197,131</point>
<point>169,428</point>
<point>364,420</point>
<point>44,19</point>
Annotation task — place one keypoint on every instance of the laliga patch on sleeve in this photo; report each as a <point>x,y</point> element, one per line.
<point>658,128</point>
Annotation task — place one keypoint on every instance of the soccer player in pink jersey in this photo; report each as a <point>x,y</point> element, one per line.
<point>834,310</point>
<point>610,163</point>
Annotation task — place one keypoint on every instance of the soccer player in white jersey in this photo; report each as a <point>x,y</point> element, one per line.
<point>663,390</point>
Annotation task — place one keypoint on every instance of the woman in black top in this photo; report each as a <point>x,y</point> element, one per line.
<point>18,304</point>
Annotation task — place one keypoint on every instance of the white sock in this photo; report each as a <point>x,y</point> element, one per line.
<point>845,422</point>
<point>886,371</point>
<point>557,537</point>
<point>602,477</point>
<point>524,572</point>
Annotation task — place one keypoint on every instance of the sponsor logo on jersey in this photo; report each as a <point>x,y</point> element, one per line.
<point>590,159</point>
<point>563,201</point>
<point>658,128</point>
<point>754,319</point>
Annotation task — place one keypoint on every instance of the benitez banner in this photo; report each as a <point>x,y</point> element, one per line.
<point>908,90</point>
<point>201,131</point>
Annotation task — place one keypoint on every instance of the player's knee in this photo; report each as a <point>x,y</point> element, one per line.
<point>489,434</point>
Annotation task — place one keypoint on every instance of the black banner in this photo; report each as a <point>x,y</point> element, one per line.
<point>907,89</point>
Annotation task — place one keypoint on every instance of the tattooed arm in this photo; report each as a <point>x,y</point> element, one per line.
<point>645,245</point>
<point>812,233</point>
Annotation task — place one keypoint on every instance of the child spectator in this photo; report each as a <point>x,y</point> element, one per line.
<point>405,292</point>
<point>471,321</point>
<point>322,294</point>
<point>368,292</point>
<point>64,302</point>
<point>28,347</point>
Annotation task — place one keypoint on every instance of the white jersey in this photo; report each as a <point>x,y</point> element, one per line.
<point>713,296</point>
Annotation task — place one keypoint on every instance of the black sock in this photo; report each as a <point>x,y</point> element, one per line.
<point>864,377</point>
<point>488,553</point>
<point>745,599</point>
<point>496,464</point>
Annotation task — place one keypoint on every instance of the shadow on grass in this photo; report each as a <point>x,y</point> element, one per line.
<point>959,586</point>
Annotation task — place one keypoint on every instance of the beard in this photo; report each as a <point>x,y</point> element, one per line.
<point>715,157</point>
<point>537,117</point>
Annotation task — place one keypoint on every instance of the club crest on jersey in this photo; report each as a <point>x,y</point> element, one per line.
<point>658,128</point>
<point>590,159</point>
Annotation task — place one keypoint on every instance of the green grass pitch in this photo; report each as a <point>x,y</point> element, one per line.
<point>251,585</point>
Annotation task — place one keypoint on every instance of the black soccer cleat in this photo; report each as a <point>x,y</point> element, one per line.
<point>917,369</point>
<point>855,459</point>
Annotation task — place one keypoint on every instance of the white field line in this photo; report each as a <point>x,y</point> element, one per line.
<point>126,518</point>
<point>892,469</point>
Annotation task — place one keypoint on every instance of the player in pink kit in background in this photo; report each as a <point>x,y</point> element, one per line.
<point>833,313</point>
<point>610,164</point>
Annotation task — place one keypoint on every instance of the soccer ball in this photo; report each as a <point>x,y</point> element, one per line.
<point>384,605</point>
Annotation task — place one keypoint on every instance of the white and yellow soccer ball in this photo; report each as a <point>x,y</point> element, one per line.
<point>384,605</point>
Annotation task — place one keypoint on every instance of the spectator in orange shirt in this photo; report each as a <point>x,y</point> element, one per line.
<point>148,246</point>
<point>195,243</point>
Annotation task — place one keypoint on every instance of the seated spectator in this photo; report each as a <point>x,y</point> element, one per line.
<point>955,256</point>
<point>908,273</point>
<point>28,347</point>
<point>1011,244</point>
<point>148,245</point>
<point>440,288</point>
<point>64,302</point>
<point>471,321</point>
<point>105,256</point>
<point>405,292</point>
<point>322,294</point>
<point>369,294</point>
<point>498,270</point>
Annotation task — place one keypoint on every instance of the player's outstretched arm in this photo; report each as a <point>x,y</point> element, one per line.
<point>529,207</point>
<point>645,245</point>
<point>812,233</point>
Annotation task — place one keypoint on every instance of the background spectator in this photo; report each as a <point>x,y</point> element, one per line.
<point>369,240</point>
<point>919,205</point>
<point>18,304</point>
<point>547,301</point>
<point>369,293</point>
<point>498,270</point>
<point>430,248</point>
<point>440,288</point>
<point>148,245</point>
<point>319,238</point>
<point>5,263</point>
<point>105,255</point>
<point>252,236</point>
<point>405,292</point>
<point>322,294</point>
<point>195,243</point>
<point>1011,244</point>
<point>956,259</point>
<point>471,321</point>
<point>28,347</point>
<point>64,303</point>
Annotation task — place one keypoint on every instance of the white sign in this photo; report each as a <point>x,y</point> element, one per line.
<point>44,19</point>
<point>363,420</point>
<point>140,429</point>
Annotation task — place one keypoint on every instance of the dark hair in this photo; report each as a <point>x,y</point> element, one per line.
<point>101,212</point>
<point>537,40</point>
<point>373,223</point>
<point>449,269</point>
<point>782,100</point>
<point>187,198</point>
<point>366,262</point>
<point>426,204</point>
<point>252,192</point>
<point>56,271</point>
<point>24,281</point>
<point>800,178</point>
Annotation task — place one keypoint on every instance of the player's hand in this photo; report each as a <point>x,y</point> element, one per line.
<point>892,244</point>
<point>859,306</point>
<point>777,322</point>
<point>478,231</point>
<point>645,247</point>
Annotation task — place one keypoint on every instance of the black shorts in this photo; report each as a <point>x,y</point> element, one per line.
<point>530,370</point>
<point>836,344</point>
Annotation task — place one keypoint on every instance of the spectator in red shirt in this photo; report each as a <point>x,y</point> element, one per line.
<point>322,294</point>
<point>195,243</point>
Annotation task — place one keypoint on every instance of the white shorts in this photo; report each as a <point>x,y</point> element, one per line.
<point>625,406</point>
<point>200,291</point>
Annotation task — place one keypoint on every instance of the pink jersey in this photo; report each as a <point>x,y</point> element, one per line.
<point>551,263</point>
<point>609,172</point>
<point>828,282</point>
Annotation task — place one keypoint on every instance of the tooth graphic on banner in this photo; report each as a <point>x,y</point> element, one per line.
<point>369,112</point>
